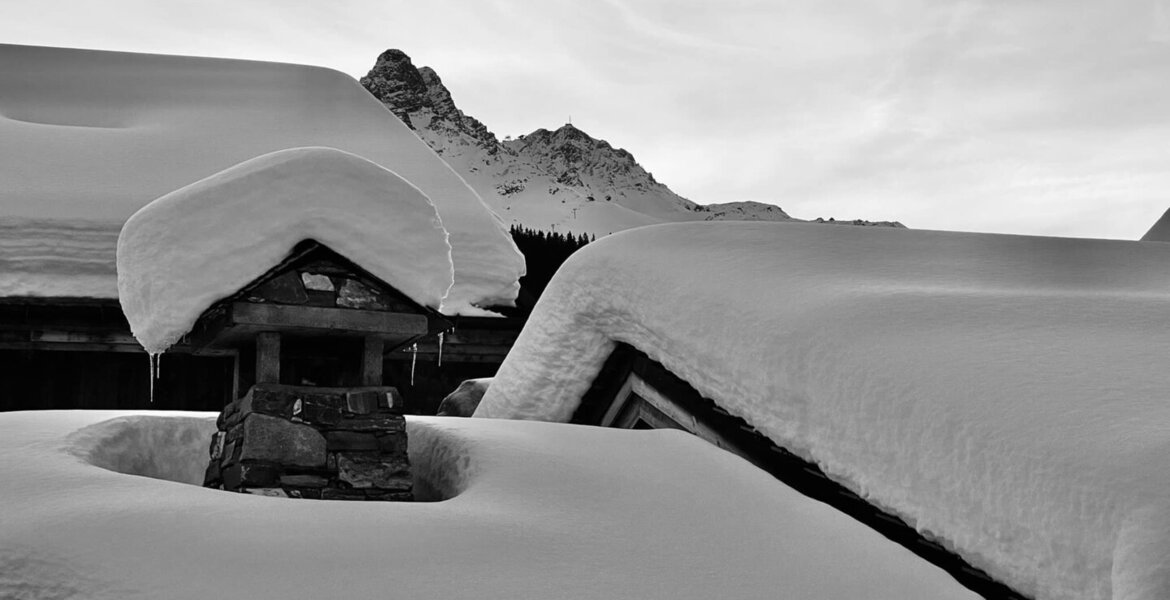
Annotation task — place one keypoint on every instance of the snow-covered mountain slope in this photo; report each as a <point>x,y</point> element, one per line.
<point>562,180</point>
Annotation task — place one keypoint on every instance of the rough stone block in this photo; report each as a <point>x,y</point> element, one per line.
<point>339,494</point>
<point>234,434</point>
<point>278,399</point>
<point>276,440</point>
<point>318,414</point>
<point>386,423</point>
<point>374,471</point>
<point>285,289</point>
<point>308,481</point>
<point>311,442</point>
<point>270,492</point>
<point>215,451</point>
<point>250,475</point>
<point>269,400</point>
<point>389,496</point>
<point>392,443</point>
<point>213,477</point>
<point>391,400</point>
<point>355,295</point>
<point>310,493</point>
<point>317,282</point>
<point>361,402</point>
<point>351,441</point>
<point>231,454</point>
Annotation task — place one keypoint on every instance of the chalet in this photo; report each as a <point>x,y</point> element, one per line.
<point>88,137</point>
<point>979,398</point>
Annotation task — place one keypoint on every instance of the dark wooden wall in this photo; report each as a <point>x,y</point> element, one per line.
<point>78,353</point>
<point>40,380</point>
<point>432,382</point>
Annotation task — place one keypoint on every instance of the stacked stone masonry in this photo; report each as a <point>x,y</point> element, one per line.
<point>312,442</point>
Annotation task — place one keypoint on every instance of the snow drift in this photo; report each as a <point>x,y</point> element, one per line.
<point>91,136</point>
<point>535,510</point>
<point>181,253</point>
<point>1005,394</point>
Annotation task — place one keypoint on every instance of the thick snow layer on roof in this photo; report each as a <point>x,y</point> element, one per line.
<point>93,136</point>
<point>535,510</point>
<point>45,257</point>
<point>1006,394</point>
<point>181,253</point>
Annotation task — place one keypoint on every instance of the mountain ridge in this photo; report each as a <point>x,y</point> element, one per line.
<point>559,180</point>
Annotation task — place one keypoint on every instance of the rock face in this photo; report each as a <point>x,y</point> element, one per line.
<point>560,180</point>
<point>311,442</point>
<point>419,98</point>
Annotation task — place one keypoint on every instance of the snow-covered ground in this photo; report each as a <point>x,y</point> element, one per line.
<point>99,505</point>
<point>1006,394</point>
<point>88,137</point>
<point>239,223</point>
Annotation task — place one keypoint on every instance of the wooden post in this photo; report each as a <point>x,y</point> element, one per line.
<point>235,377</point>
<point>268,357</point>
<point>372,361</point>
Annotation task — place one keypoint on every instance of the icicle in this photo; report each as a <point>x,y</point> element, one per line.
<point>440,348</point>
<point>413,359</point>
<point>153,358</point>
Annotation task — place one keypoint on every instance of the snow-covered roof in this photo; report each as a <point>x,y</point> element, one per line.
<point>1160,230</point>
<point>93,507</point>
<point>1005,394</point>
<point>89,137</point>
<point>183,252</point>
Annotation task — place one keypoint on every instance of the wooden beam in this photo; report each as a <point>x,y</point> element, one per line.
<point>494,359</point>
<point>335,319</point>
<point>51,336</point>
<point>268,357</point>
<point>372,361</point>
<point>430,349</point>
<point>70,347</point>
<point>619,401</point>
<point>80,345</point>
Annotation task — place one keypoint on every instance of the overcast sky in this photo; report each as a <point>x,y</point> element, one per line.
<point>1047,117</point>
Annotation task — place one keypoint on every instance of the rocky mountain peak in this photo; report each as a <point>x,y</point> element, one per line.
<point>418,97</point>
<point>438,96</point>
<point>397,83</point>
<point>562,179</point>
<point>569,153</point>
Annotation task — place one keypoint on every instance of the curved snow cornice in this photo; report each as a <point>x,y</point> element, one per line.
<point>1004,394</point>
<point>183,252</point>
<point>93,136</point>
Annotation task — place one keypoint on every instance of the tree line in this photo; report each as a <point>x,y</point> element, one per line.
<point>544,252</point>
